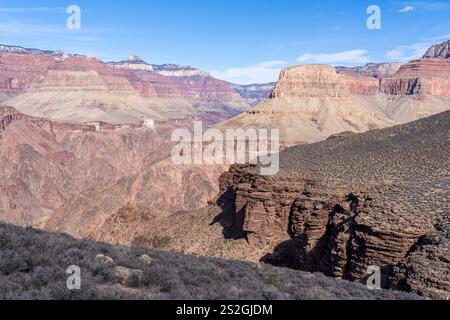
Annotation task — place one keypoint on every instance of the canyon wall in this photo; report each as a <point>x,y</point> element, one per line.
<point>58,172</point>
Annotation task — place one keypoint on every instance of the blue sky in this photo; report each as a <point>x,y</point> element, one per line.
<point>243,41</point>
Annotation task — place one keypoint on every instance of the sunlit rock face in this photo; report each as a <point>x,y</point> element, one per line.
<point>312,102</point>
<point>343,205</point>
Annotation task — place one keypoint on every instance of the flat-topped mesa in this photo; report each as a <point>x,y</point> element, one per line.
<point>21,50</point>
<point>439,51</point>
<point>174,70</point>
<point>132,63</point>
<point>429,76</point>
<point>310,81</point>
<point>18,70</point>
<point>322,81</point>
<point>343,205</point>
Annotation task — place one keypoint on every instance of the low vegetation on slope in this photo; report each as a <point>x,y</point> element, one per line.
<point>33,265</point>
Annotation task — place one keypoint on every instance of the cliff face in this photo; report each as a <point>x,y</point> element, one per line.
<point>321,81</point>
<point>439,51</point>
<point>17,71</point>
<point>421,78</point>
<point>374,70</point>
<point>312,102</point>
<point>255,93</point>
<point>341,206</point>
<point>72,177</point>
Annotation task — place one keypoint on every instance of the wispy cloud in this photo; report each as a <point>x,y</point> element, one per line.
<point>406,9</point>
<point>12,10</point>
<point>20,28</point>
<point>10,28</point>
<point>442,37</point>
<point>407,52</point>
<point>263,72</point>
<point>429,5</point>
<point>346,57</point>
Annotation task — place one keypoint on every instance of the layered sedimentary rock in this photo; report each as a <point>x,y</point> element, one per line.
<point>22,50</point>
<point>174,70</point>
<point>426,80</point>
<point>253,94</point>
<point>312,102</point>
<point>344,205</point>
<point>374,70</point>
<point>80,89</point>
<point>157,191</point>
<point>172,80</point>
<point>76,176</point>
<point>419,89</point>
<point>422,270</point>
<point>420,77</point>
<point>132,63</point>
<point>17,71</point>
<point>440,51</point>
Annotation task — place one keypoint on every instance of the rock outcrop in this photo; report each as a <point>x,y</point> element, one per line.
<point>133,63</point>
<point>312,102</point>
<point>344,205</point>
<point>439,51</point>
<point>72,177</point>
<point>174,70</point>
<point>374,70</point>
<point>421,78</point>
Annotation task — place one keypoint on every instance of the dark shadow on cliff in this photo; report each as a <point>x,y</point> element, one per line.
<point>290,254</point>
<point>230,222</point>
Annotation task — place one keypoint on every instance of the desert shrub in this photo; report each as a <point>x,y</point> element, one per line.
<point>162,242</point>
<point>33,265</point>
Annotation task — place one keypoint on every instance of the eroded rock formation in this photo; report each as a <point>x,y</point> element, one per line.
<point>312,102</point>
<point>72,177</point>
<point>440,51</point>
<point>374,70</point>
<point>343,205</point>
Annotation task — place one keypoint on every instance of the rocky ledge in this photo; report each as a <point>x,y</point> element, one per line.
<point>344,205</point>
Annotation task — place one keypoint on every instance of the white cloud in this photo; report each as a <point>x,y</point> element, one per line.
<point>407,53</point>
<point>263,72</point>
<point>346,57</point>
<point>406,9</point>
